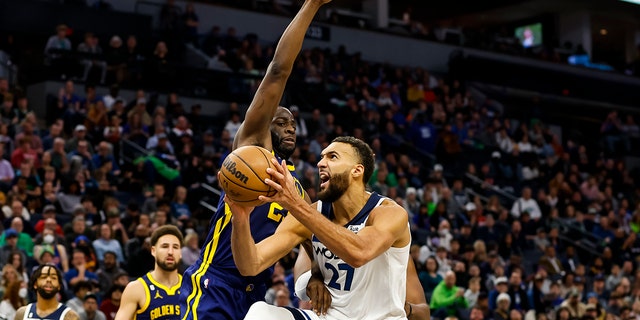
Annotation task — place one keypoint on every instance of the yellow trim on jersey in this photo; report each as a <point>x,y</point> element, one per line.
<point>147,296</point>
<point>170,291</point>
<point>209,254</point>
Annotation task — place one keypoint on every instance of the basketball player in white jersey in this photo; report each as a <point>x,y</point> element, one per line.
<point>361,240</point>
<point>47,282</point>
<point>319,298</point>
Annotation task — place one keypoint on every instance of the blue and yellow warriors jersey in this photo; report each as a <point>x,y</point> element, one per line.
<point>161,303</point>
<point>215,267</point>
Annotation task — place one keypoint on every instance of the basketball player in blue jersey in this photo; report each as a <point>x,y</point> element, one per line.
<point>213,288</point>
<point>47,282</point>
<point>155,296</point>
<point>360,240</point>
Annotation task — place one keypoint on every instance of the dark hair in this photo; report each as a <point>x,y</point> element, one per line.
<point>112,289</point>
<point>38,272</point>
<point>111,253</point>
<point>435,260</point>
<point>363,151</point>
<point>82,284</point>
<point>165,230</point>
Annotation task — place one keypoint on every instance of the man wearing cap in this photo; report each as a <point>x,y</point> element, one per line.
<point>500,286</point>
<point>437,175</point>
<point>79,134</point>
<point>592,311</point>
<point>11,245</point>
<point>576,308</point>
<point>599,289</point>
<point>25,242</point>
<point>49,212</point>
<point>91,311</point>
<point>503,302</point>
<point>154,140</point>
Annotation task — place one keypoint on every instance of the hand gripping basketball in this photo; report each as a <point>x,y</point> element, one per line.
<point>282,182</point>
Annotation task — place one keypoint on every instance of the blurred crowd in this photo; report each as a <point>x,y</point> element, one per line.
<point>509,220</point>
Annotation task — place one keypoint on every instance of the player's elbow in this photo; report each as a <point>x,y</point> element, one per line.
<point>248,270</point>
<point>357,260</point>
<point>278,71</point>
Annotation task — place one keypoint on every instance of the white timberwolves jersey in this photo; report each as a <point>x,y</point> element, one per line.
<point>376,290</point>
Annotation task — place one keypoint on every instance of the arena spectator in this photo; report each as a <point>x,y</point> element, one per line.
<point>55,47</point>
<point>14,298</point>
<point>24,240</point>
<point>78,272</point>
<point>447,299</point>
<point>90,308</point>
<point>46,241</point>
<point>108,270</point>
<point>80,290</point>
<point>106,243</point>
<point>92,57</point>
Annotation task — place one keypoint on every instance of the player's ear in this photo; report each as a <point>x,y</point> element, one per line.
<point>357,171</point>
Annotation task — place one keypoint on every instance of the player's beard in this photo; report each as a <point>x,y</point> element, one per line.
<point>338,185</point>
<point>48,295</point>
<point>279,148</point>
<point>166,267</point>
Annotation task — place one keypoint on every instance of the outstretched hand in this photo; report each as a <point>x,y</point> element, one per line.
<point>287,194</point>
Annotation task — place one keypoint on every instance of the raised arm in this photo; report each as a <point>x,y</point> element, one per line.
<point>255,128</point>
<point>252,258</point>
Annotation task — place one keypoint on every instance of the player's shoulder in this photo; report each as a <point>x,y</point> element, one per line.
<point>71,315</point>
<point>21,311</point>
<point>389,204</point>
<point>136,286</point>
<point>388,207</point>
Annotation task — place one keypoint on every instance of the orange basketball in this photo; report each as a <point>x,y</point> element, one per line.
<point>242,175</point>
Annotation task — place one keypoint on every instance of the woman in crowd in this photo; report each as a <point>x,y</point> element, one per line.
<point>430,277</point>
<point>14,298</point>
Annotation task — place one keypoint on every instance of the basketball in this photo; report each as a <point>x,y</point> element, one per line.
<point>242,175</point>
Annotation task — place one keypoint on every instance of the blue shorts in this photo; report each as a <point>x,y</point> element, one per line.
<point>217,294</point>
